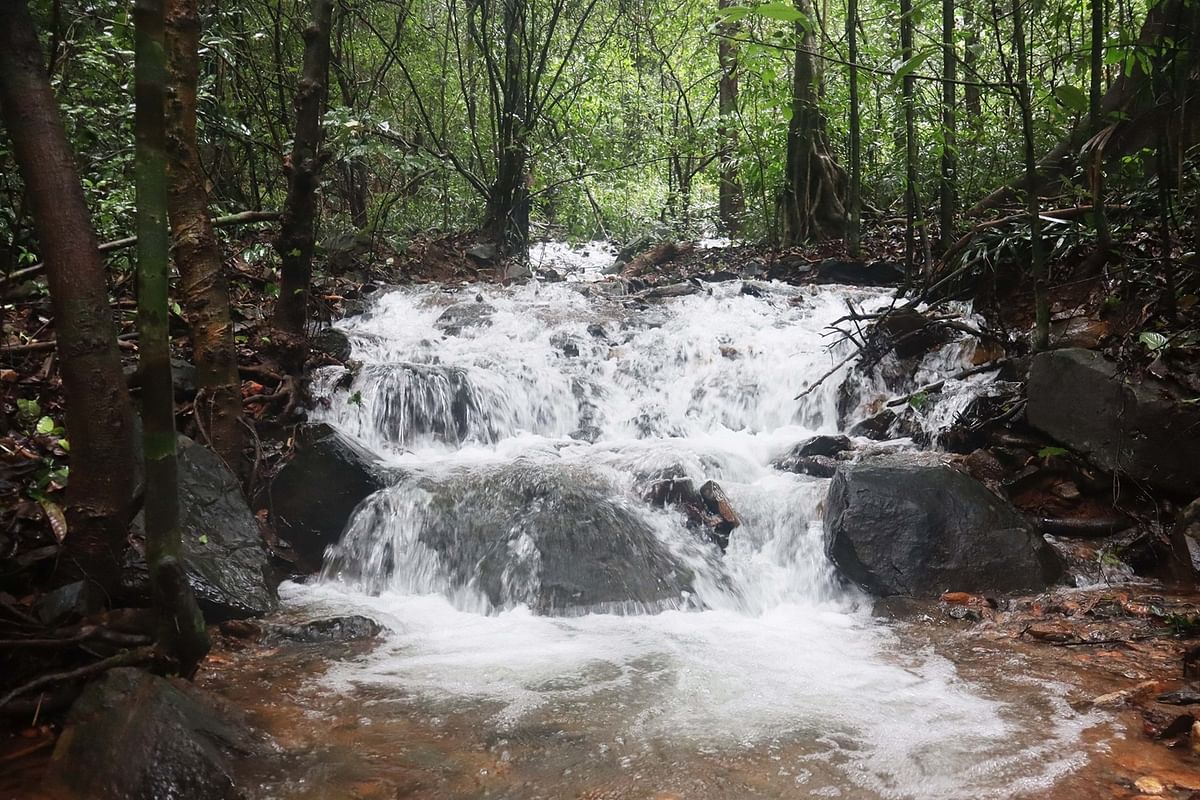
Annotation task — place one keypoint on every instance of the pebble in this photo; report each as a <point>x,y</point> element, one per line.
<point>1148,785</point>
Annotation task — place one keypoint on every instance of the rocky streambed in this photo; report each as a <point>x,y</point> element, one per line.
<point>587,540</point>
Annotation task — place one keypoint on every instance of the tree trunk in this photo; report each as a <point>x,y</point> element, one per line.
<point>181,627</point>
<point>205,294</point>
<point>297,234</point>
<point>1037,267</point>
<point>908,87</point>
<point>948,196</point>
<point>1095,124</point>
<point>971,97</point>
<point>811,205</point>
<point>508,202</point>
<point>854,226</point>
<point>99,415</point>
<point>729,193</point>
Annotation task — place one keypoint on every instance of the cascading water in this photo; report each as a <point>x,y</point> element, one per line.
<point>524,575</point>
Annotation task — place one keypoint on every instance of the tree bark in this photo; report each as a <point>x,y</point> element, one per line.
<point>99,414</point>
<point>218,406</point>
<point>948,196</point>
<point>508,202</point>
<point>854,224</point>
<point>729,190</point>
<point>1096,124</point>
<point>297,235</point>
<point>907,93</point>
<point>811,205</point>
<point>1037,267</point>
<point>181,627</point>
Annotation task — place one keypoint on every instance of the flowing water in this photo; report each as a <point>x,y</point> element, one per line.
<point>590,641</point>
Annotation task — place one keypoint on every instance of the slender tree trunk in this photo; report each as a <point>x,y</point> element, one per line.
<point>971,97</point>
<point>297,234</point>
<point>508,204</point>
<point>811,205</point>
<point>729,197</point>
<point>1037,267</point>
<point>1095,124</point>
<point>948,200</point>
<point>99,414</point>
<point>197,252</point>
<point>908,91</point>
<point>854,227</point>
<point>181,627</point>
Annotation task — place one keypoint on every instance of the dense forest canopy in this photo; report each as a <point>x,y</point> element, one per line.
<point>607,115</point>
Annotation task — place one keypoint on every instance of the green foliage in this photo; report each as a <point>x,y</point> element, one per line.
<point>1052,452</point>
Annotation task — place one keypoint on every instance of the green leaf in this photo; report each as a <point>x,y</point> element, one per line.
<point>1051,452</point>
<point>204,538</point>
<point>785,12</point>
<point>908,67</point>
<point>733,14</point>
<point>1153,341</point>
<point>28,409</point>
<point>45,425</point>
<point>178,311</point>
<point>1073,99</point>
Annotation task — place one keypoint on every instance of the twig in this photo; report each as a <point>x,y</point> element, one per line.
<point>122,659</point>
<point>937,386</point>
<point>85,634</point>
<point>824,377</point>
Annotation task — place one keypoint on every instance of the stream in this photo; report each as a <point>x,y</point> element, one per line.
<point>551,634</point>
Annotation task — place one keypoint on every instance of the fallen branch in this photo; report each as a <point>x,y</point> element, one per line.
<point>123,659</point>
<point>242,218</point>
<point>87,633</point>
<point>825,377</point>
<point>937,386</point>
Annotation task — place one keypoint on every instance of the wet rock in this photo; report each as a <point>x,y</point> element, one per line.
<point>1135,427</point>
<point>483,252</point>
<point>69,603</point>
<point>1187,696</point>
<point>557,538</point>
<point>859,273</point>
<point>597,330</point>
<point>824,445</point>
<point>550,275</point>
<point>183,378</point>
<point>136,735</point>
<point>708,510</point>
<point>312,497</point>
<point>895,527</point>
<point>673,290</point>
<point>223,554</point>
<point>815,466</point>
<point>333,343</point>
<point>1162,721</point>
<point>588,433</point>
<point>331,630</point>
<point>463,316</point>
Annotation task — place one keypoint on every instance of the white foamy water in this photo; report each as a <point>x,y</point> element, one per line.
<point>520,397</point>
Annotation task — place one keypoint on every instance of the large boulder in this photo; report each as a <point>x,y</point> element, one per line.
<point>314,495</point>
<point>1134,427</point>
<point>557,538</point>
<point>920,529</point>
<point>1138,428</point>
<point>135,735</point>
<point>223,554</point>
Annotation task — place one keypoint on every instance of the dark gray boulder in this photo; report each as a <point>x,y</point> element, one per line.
<point>224,558</point>
<point>132,735</point>
<point>557,538</point>
<point>823,446</point>
<point>1138,428</point>
<point>462,316</point>
<point>314,495</point>
<point>920,529</point>
<point>332,342</point>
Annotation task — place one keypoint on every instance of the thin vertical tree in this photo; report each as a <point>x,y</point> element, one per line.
<point>907,95</point>
<point>729,191</point>
<point>948,195</point>
<point>1096,123</point>
<point>197,252</point>
<point>854,224</point>
<point>99,414</point>
<point>297,234</point>
<point>1037,265</point>
<point>181,627</point>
